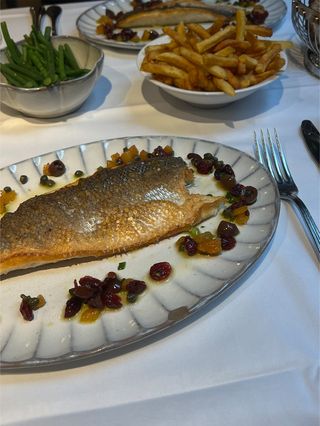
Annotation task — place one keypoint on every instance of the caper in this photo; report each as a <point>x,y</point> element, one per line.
<point>23,179</point>
<point>44,179</point>
<point>78,173</point>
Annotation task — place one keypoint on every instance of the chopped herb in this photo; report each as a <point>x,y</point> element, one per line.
<point>122,266</point>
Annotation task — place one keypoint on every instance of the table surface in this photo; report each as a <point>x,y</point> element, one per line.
<point>252,359</point>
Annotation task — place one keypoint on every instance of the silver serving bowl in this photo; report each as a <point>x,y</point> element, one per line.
<point>61,98</point>
<point>306,21</point>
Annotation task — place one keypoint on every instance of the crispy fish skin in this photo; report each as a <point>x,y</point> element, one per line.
<point>166,16</point>
<point>111,212</point>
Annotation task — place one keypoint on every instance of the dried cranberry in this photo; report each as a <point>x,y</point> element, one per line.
<point>227,229</point>
<point>108,31</point>
<point>237,190</point>
<point>83,292</point>
<point>249,195</point>
<point>219,165</point>
<point>217,174</point>
<point>159,152</point>
<point>189,245</point>
<point>228,169</point>
<point>112,301</point>
<point>56,168</point>
<point>97,301</point>
<point>73,306</point>
<point>26,310</point>
<point>237,204</point>
<point>127,34</point>
<point>110,14</point>
<point>89,281</point>
<point>119,15</point>
<point>228,243</point>
<point>112,286</point>
<point>160,271</point>
<point>136,287</point>
<point>195,158</point>
<point>228,181</point>
<point>205,167</point>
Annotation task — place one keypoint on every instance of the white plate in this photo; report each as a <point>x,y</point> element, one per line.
<point>199,98</point>
<point>87,21</point>
<point>50,340</point>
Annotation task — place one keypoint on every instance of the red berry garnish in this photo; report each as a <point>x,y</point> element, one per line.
<point>160,271</point>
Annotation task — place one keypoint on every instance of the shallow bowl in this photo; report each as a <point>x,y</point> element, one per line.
<point>61,98</point>
<point>200,98</point>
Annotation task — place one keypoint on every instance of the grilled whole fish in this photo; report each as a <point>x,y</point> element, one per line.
<point>166,16</point>
<point>111,212</point>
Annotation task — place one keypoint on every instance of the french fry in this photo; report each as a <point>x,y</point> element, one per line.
<point>276,64</point>
<point>199,30</point>
<point>192,56</point>
<point>227,62</point>
<point>242,45</point>
<point>164,69</point>
<point>240,24</point>
<point>250,62</point>
<point>232,79</point>
<point>217,25</point>
<point>224,86</point>
<point>227,51</point>
<point>208,43</point>
<point>259,30</point>
<point>178,38</point>
<point>176,60</point>
<point>256,79</point>
<point>265,59</point>
<point>217,71</point>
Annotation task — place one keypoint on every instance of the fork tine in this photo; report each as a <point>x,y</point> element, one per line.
<point>282,157</point>
<point>258,148</point>
<point>278,173</point>
<point>268,161</point>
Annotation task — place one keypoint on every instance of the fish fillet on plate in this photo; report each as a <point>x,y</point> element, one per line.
<point>111,212</point>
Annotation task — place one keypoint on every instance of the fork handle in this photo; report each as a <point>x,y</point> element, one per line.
<point>310,223</point>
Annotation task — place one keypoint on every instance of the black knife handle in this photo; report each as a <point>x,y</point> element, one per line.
<point>312,138</point>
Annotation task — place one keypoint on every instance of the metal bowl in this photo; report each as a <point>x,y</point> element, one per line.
<point>306,21</point>
<point>61,98</point>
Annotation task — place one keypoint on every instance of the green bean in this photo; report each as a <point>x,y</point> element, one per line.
<point>47,33</point>
<point>71,60</point>
<point>38,64</point>
<point>28,71</point>
<point>20,79</point>
<point>60,65</point>
<point>77,73</point>
<point>12,47</point>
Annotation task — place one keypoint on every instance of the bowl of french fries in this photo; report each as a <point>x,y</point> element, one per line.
<point>212,66</point>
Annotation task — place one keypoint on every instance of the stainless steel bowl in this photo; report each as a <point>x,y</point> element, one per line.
<point>306,21</point>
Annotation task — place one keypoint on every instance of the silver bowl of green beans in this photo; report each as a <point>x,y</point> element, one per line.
<point>45,77</point>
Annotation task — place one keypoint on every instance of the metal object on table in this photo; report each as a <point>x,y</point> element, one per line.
<point>37,12</point>
<point>312,138</point>
<point>306,21</point>
<point>269,152</point>
<point>54,12</point>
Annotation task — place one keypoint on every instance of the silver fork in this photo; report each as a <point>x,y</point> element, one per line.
<point>270,153</point>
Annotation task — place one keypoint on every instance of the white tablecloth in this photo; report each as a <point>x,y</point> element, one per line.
<point>252,359</point>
